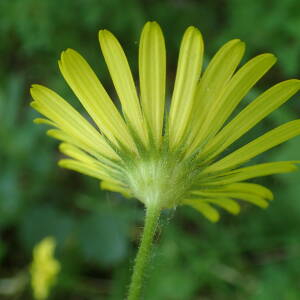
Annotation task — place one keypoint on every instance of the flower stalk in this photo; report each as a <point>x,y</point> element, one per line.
<point>143,255</point>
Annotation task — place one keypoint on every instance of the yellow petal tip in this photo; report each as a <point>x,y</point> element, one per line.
<point>103,33</point>
<point>62,163</point>
<point>34,87</point>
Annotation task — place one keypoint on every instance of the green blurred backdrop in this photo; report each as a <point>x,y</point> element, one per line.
<point>255,255</point>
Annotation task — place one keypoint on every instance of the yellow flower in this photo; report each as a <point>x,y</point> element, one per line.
<point>44,268</point>
<point>170,158</point>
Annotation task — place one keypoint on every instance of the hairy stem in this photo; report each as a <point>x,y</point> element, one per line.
<point>142,258</point>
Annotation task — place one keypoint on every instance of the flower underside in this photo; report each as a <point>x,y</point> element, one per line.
<point>170,158</point>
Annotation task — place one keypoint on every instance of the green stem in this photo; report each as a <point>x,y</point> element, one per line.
<point>142,258</point>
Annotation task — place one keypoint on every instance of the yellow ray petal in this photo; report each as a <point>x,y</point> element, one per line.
<point>82,155</point>
<point>246,173</point>
<point>226,203</point>
<point>263,143</point>
<point>69,120</point>
<point>205,209</point>
<point>89,90</point>
<point>122,78</point>
<point>77,154</point>
<point>262,106</point>
<point>44,121</point>
<point>216,76</point>
<point>113,187</point>
<point>86,169</point>
<point>62,136</point>
<point>243,187</point>
<point>152,71</point>
<point>187,75</point>
<point>234,92</point>
<point>251,198</point>
<point>250,188</point>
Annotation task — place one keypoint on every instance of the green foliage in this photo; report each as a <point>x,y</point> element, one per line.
<point>251,256</point>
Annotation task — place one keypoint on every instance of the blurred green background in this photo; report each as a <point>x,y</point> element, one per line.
<point>255,255</point>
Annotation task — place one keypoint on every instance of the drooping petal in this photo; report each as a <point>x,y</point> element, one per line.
<point>69,120</point>
<point>225,196</point>
<point>62,136</point>
<point>44,121</point>
<point>76,153</point>
<point>113,187</point>
<point>89,90</point>
<point>262,106</point>
<point>251,198</point>
<point>122,78</point>
<point>152,71</point>
<point>204,208</point>
<point>226,203</point>
<point>251,188</point>
<point>246,173</point>
<point>187,76</point>
<point>73,151</point>
<point>211,85</point>
<point>244,187</point>
<point>86,169</point>
<point>263,143</point>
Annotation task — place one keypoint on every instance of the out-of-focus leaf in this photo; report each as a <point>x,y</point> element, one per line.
<point>10,196</point>
<point>45,220</point>
<point>102,238</point>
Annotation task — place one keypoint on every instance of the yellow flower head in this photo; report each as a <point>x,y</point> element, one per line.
<point>174,157</point>
<point>44,268</point>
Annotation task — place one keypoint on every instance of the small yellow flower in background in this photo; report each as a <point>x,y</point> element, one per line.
<point>170,158</point>
<point>44,268</point>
